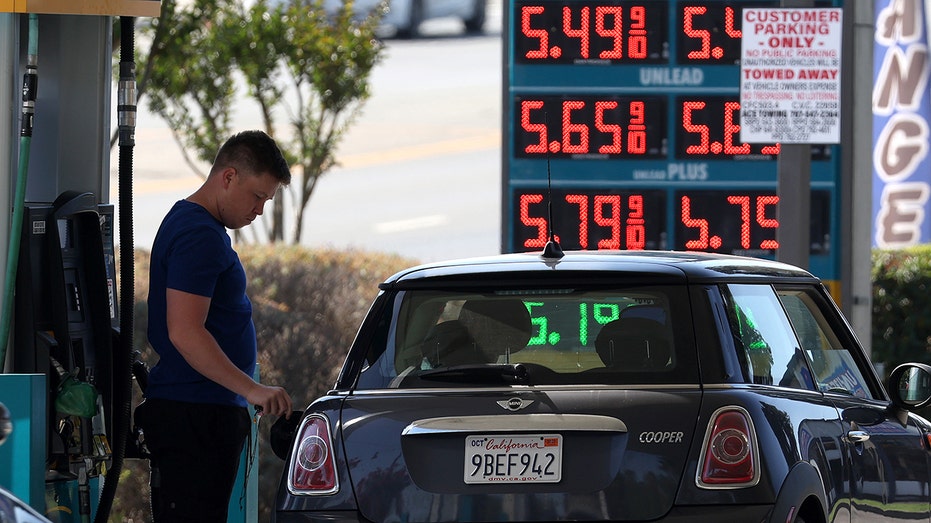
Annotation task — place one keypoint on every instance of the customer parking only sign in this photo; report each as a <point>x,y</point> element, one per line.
<point>790,76</point>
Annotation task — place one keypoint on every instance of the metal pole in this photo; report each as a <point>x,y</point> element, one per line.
<point>794,190</point>
<point>857,185</point>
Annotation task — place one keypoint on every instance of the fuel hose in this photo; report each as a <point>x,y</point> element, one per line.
<point>30,88</point>
<point>123,355</point>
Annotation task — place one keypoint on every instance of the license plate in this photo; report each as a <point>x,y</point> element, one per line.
<point>531,458</point>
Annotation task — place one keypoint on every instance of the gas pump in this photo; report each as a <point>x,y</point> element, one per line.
<point>67,375</point>
<point>66,325</point>
<point>67,369</point>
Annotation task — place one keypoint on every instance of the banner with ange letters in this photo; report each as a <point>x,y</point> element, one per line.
<point>901,110</point>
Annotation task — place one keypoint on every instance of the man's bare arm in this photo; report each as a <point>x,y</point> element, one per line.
<point>186,315</point>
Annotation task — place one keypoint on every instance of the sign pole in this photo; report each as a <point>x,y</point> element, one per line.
<point>793,186</point>
<point>794,212</point>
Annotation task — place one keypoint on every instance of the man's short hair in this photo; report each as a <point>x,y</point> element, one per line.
<point>254,151</point>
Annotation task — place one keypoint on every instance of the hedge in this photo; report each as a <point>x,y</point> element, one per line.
<point>901,329</point>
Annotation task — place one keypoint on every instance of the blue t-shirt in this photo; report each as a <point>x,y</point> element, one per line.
<point>193,253</point>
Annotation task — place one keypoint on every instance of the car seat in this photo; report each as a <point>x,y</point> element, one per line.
<point>634,343</point>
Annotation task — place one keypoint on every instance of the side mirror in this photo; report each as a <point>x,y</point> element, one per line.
<point>6,423</point>
<point>909,386</point>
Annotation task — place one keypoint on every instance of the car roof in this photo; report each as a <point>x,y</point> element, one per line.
<point>686,266</point>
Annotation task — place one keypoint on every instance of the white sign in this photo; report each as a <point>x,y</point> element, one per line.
<point>790,76</point>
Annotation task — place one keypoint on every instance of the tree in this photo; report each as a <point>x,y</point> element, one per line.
<point>306,69</point>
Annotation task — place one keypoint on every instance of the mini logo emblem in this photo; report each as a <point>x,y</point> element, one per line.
<point>514,404</point>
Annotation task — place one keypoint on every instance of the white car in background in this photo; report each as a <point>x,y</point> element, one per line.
<point>405,16</point>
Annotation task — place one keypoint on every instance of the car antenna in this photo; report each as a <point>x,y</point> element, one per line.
<point>551,250</point>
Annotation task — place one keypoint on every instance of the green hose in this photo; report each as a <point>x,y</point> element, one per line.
<point>30,83</point>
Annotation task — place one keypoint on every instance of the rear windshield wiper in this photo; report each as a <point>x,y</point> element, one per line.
<point>506,373</point>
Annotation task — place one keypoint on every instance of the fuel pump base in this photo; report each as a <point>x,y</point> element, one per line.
<point>22,457</point>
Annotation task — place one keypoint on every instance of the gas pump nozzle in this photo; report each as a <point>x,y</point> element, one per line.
<point>102,451</point>
<point>140,371</point>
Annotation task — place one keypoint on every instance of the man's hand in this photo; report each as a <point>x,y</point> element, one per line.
<point>270,400</point>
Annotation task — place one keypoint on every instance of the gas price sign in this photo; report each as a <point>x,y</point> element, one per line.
<point>591,125</point>
<point>702,220</point>
<point>622,131</point>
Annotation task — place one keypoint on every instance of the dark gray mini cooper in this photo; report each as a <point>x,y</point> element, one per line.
<point>609,386</point>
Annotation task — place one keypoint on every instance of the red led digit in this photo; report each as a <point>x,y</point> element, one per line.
<point>613,129</point>
<point>702,130</point>
<point>581,33</point>
<point>636,233</point>
<point>636,130</point>
<point>582,201</point>
<point>702,34</point>
<point>744,203</point>
<point>729,24</point>
<point>613,220</point>
<point>730,129</point>
<point>525,13</point>
<point>616,31</point>
<point>568,128</point>
<point>525,107</point>
<point>637,39</point>
<point>702,225</point>
<point>636,113</point>
<point>771,149</point>
<point>762,202</point>
<point>531,221</point>
<point>635,207</point>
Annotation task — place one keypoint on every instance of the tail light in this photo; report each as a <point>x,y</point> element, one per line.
<point>730,454</point>
<point>313,467</point>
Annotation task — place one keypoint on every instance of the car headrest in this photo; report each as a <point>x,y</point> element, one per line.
<point>650,312</point>
<point>448,344</point>
<point>634,344</point>
<point>499,326</point>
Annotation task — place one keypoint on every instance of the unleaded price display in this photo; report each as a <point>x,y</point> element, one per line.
<point>567,32</point>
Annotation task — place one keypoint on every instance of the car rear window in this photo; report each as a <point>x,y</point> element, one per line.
<point>638,335</point>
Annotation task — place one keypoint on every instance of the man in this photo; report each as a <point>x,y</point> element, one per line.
<point>194,417</point>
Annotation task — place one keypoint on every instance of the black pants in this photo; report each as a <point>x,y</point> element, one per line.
<point>195,451</point>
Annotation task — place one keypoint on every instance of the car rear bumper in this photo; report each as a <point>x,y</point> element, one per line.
<point>694,514</point>
<point>334,516</point>
<point>720,514</point>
